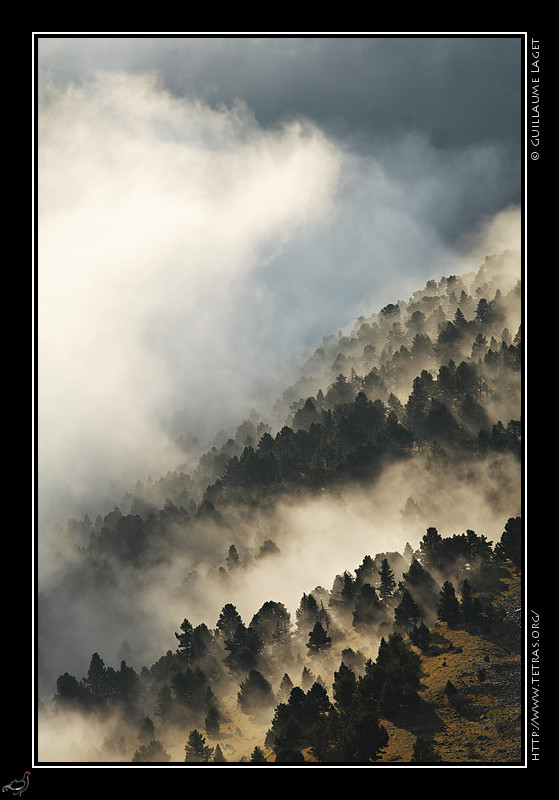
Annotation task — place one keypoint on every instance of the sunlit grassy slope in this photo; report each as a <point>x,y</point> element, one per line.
<point>482,723</point>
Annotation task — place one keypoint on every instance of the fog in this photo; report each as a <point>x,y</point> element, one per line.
<point>191,255</point>
<point>133,612</point>
<point>145,280</point>
<point>316,540</point>
<point>208,211</point>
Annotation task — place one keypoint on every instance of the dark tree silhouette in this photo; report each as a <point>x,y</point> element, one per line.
<point>272,624</point>
<point>151,753</point>
<point>228,622</point>
<point>219,758</point>
<point>318,639</point>
<point>185,640</point>
<point>287,745</point>
<point>344,687</point>
<point>387,582</point>
<point>255,693</point>
<point>420,636</point>
<point>285,688</point>
<point>368,609</point>
<point>257,756</point>
<point>164,703</point>
<point>424,752</point>
<point>244,649</point>
<point>448,609</point>
<point>510,545</point>
<point>212,721</point>
<point>196,750</point>
<point>407,612</point>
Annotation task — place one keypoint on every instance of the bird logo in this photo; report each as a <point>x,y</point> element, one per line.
<point>17,787</point>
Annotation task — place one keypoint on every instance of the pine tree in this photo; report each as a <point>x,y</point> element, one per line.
<point>185,640</point>
<point>431,549</point>
<point>244,649</point>
<point>219,758</point>
<point>510,545</point>
<point>233,560</point>
<point>318,702</point>
<point>344,688</point>
<point>285,688</point>
<point>307,678</point>
<point>212,721</point>
<point>147,730</point>
<point>420,636</point>
<point>165,703</point>
<point>307,613</point>
<point>258,756</point>
<point>387,582</point>
<point>287,744</point>
<point>97,680</point>
<point>152,753</point>
<point>360,739</point>
<point>272,623</point>
<point>70,693</point>
<point>470,607</point>
<point>424,752</point>
<point>368,609</point>
<point>190,687</point>
<point>255,693</point>
<point>228,622</point>
<point>318,639</point>
<point>448,609</point>
<point>196,750</point>
<point>407,612</point>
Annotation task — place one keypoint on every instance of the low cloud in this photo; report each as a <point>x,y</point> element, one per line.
<point>191,258</point>
<point>154,216</point>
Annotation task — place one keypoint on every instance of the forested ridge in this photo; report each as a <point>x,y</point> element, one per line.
<point>428,389</point>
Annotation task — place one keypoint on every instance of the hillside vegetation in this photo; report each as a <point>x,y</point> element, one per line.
<point>482,722</point>
<point>391,468</point>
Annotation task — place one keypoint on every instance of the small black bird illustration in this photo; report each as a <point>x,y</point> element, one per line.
<point>17,787</point>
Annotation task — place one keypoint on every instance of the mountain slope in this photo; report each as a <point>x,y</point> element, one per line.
<point>482,723</point>
<point>411,423</point>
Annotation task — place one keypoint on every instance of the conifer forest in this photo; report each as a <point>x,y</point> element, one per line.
<point>280,402</point>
